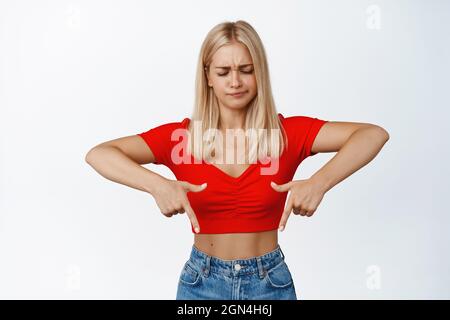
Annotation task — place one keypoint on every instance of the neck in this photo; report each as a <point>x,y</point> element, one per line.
<point>232,119</point>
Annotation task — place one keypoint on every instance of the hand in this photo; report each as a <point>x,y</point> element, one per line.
<point>171,199</point>
<point>304,198</point>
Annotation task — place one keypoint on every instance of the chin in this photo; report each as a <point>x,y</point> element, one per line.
<point>238,106</point>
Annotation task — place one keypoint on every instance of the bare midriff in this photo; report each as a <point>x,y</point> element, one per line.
<point>233,246</point>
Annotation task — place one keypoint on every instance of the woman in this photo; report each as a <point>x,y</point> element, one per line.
<point>236,206</point>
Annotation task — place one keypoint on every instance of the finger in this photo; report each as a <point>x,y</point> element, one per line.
<point>281,187</point>
<point>192,217</point>
<point>303,212</point>
<point>195,187</point>
<point>179,209</point>
<point>299,210</point>
<point>285,215</point>
<point>167,214</point>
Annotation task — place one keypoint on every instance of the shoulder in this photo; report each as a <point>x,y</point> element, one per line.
<point>161,138</point>
<point>296,120</point>
<point>176,124</point>
<point>300,125</point>
<point>164,131</point>
<point>170,126</point>
<point>302,130</point>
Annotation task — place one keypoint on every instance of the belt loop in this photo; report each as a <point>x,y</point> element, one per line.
<point>260,267</point>
<point>208,265</point>
<point>281,251</point>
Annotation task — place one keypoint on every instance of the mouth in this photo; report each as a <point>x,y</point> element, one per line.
<point>238,94</point>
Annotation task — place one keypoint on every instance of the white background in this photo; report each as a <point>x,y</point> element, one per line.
<point>77,73</point>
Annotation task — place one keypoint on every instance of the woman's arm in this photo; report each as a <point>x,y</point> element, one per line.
<point>360,148</point>
<point>357,144</point>
<point>119,161</point>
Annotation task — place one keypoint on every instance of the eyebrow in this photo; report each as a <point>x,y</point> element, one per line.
<point>227,67</point>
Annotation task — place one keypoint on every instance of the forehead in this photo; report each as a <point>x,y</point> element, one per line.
<point>232,55</point>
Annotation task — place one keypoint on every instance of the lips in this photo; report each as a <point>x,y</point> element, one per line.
<point>237,93</point>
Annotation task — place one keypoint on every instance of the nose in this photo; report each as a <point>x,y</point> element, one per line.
<point>235,79</point>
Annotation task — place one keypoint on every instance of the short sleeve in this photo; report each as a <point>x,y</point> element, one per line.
<point>159,139</point>
<point>314,127</point>
<point>302,131</point>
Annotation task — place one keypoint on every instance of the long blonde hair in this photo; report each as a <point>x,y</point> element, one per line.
<point>261,111</point>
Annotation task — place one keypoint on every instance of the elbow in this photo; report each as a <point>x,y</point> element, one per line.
<point>89,156</point>
<point>95,153</point>
<point>383,132</point>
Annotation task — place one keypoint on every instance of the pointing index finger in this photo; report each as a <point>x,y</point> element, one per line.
<point>285,215</point>
<point>192,217</point>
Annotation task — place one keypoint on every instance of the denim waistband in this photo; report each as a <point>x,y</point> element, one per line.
<point>259,264</point>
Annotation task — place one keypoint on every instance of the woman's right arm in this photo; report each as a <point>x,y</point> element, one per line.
<point>120,161</point>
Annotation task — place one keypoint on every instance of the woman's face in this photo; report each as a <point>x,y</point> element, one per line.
<point>231,71</point>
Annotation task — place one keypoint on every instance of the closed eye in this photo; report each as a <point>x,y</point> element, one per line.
<point>245,72</point>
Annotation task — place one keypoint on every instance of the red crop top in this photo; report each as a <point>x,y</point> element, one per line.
<point>230,204</point>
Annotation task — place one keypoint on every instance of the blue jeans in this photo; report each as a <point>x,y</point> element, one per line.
<point>265,277</point>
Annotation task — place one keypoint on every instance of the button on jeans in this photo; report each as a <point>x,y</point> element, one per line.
<point>265,277</point>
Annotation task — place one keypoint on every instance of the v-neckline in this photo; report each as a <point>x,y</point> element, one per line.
<point>243,173</point>
<point>223,173</point>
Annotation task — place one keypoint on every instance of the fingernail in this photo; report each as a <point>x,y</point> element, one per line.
<point>272,183</point>
<point>281,228</point>
<point>197,230</point>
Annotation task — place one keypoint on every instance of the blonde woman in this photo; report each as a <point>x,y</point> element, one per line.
<point>234,194</point>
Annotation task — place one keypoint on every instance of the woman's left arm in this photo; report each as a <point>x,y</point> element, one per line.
<point>356,145</point>
<point>358,150</point>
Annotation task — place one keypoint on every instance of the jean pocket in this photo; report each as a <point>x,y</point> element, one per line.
<point>189,275</point>
<point>279,276</point>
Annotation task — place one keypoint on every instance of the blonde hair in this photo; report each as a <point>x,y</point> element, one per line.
<point>261,111</point>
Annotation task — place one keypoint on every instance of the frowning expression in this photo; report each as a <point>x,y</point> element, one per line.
<point>231,75</point>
